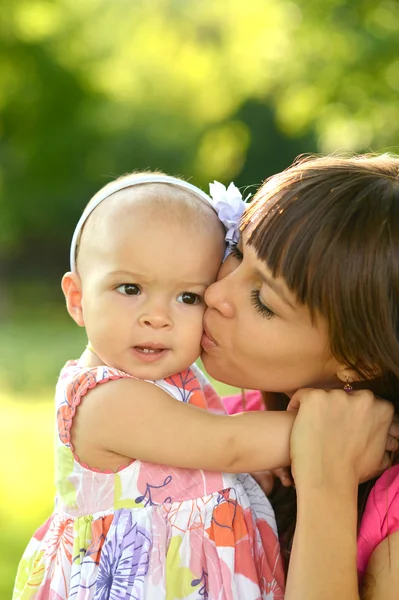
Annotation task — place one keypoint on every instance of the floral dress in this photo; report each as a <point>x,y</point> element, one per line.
<point>149,531</point>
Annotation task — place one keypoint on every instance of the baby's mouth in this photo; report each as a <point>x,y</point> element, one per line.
<point>149,352</point>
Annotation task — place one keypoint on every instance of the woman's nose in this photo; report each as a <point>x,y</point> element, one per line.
<point>229,265</point>
<point>216,296</point>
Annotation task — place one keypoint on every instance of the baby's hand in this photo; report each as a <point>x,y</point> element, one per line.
<point>266,478</point>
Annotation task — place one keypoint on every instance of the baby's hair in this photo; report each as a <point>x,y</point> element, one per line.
<point>104,188</point>
<point>198,200</point>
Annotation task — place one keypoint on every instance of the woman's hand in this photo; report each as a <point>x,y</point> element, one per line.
<point>337,436</point>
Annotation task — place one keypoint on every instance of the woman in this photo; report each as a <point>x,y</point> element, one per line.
<point>310,300</point>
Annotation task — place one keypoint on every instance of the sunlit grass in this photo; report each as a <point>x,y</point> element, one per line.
<point>26,473</point>
<point>33,350</point>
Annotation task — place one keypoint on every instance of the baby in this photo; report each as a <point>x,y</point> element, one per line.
<point>150,500</point>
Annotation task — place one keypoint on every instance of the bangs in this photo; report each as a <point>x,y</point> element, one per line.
<point>296,239</point>
<point>331,239</point>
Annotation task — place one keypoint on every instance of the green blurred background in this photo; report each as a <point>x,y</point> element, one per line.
<point>205,89</point>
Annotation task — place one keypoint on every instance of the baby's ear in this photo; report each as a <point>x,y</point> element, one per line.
<point>72,287</point>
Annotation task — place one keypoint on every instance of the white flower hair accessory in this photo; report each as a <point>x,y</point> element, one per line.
<point>229,205</point>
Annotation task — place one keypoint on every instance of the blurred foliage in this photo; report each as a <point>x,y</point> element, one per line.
<point>205,89</point>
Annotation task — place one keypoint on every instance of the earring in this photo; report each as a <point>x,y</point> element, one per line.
<point>347,387</point>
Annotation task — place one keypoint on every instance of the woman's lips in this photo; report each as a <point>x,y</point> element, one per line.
<point>207,341</point>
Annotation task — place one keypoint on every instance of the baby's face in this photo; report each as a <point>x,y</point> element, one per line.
<point>143,286</point>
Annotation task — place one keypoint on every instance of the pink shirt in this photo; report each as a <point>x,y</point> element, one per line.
<point>253,401</point>
<point>380,518</point>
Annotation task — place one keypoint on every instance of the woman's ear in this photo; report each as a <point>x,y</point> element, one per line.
<point>347,375</point>
<point>72,287</point>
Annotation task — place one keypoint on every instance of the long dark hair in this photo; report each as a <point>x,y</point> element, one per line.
<point>330,227</point>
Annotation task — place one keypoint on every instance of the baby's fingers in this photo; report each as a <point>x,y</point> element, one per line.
<point>265,479</point>
<point>284,475</point>
<point>394,428</point>
<point>392,444</point>
<point>385,464</point>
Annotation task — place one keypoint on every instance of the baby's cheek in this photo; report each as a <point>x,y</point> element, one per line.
<point>196,328</point>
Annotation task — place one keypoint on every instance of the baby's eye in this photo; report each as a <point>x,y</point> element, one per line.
<point>189,298</point>
<point>129,289</point>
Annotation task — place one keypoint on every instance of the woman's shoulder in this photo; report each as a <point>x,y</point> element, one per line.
<point>386,487</point>
<point>383,503</point>
<point>381,515</point>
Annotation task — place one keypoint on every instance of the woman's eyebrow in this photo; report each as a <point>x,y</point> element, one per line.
<point>276,287</point>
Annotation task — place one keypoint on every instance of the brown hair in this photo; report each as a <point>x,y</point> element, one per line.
<point>330,227</point>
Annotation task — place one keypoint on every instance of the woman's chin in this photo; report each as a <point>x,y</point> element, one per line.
<point>219,372</point>
<point>210,364</point>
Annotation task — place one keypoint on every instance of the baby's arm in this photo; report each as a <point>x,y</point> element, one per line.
<point>129,418</point>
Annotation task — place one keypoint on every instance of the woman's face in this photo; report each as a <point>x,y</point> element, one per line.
<point>256,334</point>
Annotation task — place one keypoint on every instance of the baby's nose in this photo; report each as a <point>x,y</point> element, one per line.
<point>157,319</point>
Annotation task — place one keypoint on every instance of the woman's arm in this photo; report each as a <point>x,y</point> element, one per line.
<point>324,551</point>
<point>128,418</point>
<point>337,440</point>
<point>323,558</point>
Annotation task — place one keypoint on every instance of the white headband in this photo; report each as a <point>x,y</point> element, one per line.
<point>227,203</point>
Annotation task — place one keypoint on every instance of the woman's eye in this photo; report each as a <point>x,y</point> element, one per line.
<point>129,289</point>
<point>235,252</point>
<point>261,308</point>
<point>189,298</point>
